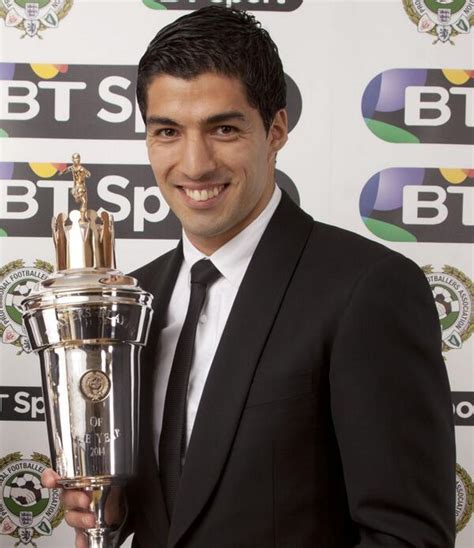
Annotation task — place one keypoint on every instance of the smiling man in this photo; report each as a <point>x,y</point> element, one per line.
<point>293,392</point>
<point>211,155</point>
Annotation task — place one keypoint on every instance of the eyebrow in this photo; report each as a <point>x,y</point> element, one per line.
<point>214,119</point>
<point>226,116</point>
<point>161,121</point>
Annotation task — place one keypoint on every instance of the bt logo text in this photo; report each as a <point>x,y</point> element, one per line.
<point>21,403</point>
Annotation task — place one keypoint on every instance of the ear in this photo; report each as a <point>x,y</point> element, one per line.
<point>278,133</point>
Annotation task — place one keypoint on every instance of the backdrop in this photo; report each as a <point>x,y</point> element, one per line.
<point>381,107</point>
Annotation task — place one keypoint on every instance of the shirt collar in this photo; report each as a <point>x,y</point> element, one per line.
<point>233,258</point>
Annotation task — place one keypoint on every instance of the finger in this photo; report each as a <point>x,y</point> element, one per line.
<point>49,479</point>
<point>81,539</point>
<point>73,499</point>
<point>80,520</point>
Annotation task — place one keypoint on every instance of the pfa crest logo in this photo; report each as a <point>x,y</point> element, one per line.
<point>28,510</point>
<point>453,293</point>
<point>444,19</point>
<point>16,283</point>
<point>464,498</point>
<point>33,16</point>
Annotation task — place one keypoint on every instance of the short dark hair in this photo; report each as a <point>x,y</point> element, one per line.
<point>224,41</point>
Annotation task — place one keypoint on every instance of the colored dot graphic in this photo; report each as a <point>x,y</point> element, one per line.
<point>458,77</point>
<point>154,5</point>
<point>48,71</point>
<point>46,170</point>
<point>7,71</point>
<point>456,176</point>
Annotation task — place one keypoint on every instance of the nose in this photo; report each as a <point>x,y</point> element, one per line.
<point>197,161</point>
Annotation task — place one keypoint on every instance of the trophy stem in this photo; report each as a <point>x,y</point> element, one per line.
<point>99,536</point>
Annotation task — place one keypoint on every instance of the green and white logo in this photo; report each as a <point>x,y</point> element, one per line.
<point>464,497</point>
<point>34,16</point>
<point>28,510</point>
<point>443,19</point>
<point>16,283</point>
<point>453,293</point>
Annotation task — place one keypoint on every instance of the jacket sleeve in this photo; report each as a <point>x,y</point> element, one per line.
<point>392,411</point>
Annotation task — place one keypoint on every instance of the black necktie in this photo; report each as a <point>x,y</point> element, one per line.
<point>173,432</point>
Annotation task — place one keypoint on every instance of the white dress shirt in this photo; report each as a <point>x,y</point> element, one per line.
<point>232,260</point>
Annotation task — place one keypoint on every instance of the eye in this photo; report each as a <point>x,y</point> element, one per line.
<point>167,132</point>
<point>226,130</point>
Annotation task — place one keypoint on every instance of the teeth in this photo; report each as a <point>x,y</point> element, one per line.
<point>203,195</point>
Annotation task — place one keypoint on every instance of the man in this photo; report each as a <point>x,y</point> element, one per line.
<point>317,409</point>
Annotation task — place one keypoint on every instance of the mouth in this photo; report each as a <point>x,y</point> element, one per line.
<point>204,194</point>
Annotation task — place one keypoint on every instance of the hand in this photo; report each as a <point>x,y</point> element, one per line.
<point>28,495</point>
<point>77,503</point>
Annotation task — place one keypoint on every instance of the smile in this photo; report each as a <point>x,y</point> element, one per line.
<point>204,195</point>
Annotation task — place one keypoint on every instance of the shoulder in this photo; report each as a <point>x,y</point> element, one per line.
<point>345,248</point>
<point>150,272</point>
<point>332,253</point>
<point>349,258</point>
<point>336,240</point>
<point>328,243</point>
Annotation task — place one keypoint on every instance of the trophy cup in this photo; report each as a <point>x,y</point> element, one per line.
<point>88,322</point>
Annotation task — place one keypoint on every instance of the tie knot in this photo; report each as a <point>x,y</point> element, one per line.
<point>204,272</point>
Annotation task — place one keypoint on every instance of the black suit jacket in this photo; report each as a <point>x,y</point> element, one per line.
<point>326,418</point>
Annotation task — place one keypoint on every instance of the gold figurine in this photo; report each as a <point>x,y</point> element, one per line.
<point>79,191</point>
<point>84,238</point>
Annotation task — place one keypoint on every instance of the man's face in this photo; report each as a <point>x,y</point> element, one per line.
<point>211,155</point>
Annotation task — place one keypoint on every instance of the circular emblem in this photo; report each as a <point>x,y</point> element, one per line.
<point>27,509</point>
<point>444,19</point>
<point>16,283</point>
<point>34,16</point>
<point>453,293</point>
<point>95,385</point>
<point>464,497</point>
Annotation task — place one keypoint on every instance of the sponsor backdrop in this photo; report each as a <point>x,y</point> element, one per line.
<point>381,107</point>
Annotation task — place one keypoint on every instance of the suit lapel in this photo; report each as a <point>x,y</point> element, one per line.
<point>161,286</point>
<point>244,337</point>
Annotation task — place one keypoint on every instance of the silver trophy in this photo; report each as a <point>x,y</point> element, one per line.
<point>88,322</point>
